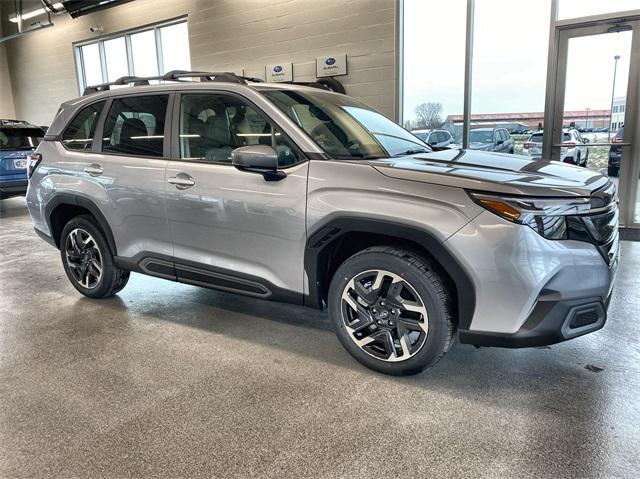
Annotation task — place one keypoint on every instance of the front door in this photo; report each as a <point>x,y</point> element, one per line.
<point>594,104</point>
<point>232,229</point>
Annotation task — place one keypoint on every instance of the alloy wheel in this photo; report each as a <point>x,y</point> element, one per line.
<point>83,258</point>
<point>384,315</point>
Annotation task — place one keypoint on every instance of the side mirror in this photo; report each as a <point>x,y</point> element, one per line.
<point>433,143</point>
<point>499,142</point>
<point>258,159</point>
<point>585,140</point>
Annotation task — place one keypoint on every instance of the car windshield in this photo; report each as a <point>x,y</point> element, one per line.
<point>421,135</point>
<point>19,138</point>
<point>343,127</point>
<point>481,136</point>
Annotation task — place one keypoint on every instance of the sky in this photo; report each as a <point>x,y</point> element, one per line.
<point>510,55</point>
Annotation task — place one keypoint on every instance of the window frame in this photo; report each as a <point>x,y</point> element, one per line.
<point>175,133</point>
<point>166,141</point>
<point>126,34</point>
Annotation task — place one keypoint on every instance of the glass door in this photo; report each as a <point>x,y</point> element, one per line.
<point>595,106</point>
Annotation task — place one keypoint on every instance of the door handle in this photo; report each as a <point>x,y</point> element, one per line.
<point>182,181</point>
<point>94,169</point>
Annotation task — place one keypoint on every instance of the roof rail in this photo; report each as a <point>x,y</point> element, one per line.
<point>7,121</point>
<point>174,75</point>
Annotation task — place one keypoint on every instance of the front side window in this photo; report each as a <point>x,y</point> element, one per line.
<point>12,139</point>
<point>135,126</point>
<point>79,133</point>
<point>213,125</point>
<point>343,127</point>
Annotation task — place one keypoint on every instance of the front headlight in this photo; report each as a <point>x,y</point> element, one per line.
<point>546,216</point>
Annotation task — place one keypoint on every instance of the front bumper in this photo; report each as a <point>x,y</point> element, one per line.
<point>550,322</point>
<point>13,188</point>
<point>531,291</point>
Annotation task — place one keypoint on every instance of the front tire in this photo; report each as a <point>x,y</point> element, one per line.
<point>391,310</point>
<point>88,261</point>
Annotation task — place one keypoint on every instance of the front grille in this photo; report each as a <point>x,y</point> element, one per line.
<point>600,227</point>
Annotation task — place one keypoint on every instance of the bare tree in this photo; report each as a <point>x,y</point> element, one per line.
<point>429,115</point>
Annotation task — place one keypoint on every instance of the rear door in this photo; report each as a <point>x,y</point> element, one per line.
<point>127,170</point>
<point>232,229</point>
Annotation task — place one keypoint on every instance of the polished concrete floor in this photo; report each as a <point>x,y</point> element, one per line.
<point>168,380</point>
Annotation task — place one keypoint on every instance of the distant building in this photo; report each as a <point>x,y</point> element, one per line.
<point>516,121</point>
<point>617,117</point>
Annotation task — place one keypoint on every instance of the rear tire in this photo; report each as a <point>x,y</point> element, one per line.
<point>88,261</point>
<point>391,310</point>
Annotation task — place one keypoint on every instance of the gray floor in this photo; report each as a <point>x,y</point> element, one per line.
<point>169,380</point>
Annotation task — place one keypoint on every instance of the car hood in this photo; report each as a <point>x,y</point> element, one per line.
<point>493,172</point>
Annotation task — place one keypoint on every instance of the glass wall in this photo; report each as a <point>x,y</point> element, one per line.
<point>433,64</point>
<point>138,53</point>
<point>509,74</point>
<point>582,8</point>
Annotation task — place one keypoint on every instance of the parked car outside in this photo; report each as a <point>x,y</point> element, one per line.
<point>615,154</point>
<point>491,139</point>
<point>574,152</point>
<point>18,139</point>
<point>290,193</point>
<point>435,138</point>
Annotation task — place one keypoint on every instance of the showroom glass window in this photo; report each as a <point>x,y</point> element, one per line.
<point>79,133</point>
<point>146,52</point>
<point>212,126</point>
<point>433,65</point>
<point>135,126</point>
<point>509,68</point>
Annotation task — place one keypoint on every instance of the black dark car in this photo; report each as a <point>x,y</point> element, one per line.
<point>615,153</point>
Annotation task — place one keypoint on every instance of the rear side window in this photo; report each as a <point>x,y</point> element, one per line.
<point>79,133</point>
<point>20,138</point>
<point>443,136</point>
<point>135,126</point>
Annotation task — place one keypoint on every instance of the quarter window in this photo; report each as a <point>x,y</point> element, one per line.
<point>212,126</point>
<point>79,133</point>
<point>135,126</point>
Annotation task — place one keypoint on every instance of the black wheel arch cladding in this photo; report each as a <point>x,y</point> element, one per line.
<point>322,242</point>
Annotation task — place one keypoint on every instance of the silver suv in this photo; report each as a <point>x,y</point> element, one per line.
<point>293,193</point>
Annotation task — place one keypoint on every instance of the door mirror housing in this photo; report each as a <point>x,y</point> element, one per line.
<point>499,142</point>
<point>258,159</point>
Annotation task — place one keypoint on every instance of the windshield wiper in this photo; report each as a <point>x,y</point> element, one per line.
<point>411,152</point>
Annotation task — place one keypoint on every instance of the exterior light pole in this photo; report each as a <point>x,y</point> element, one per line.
<point>587,123</point>
<point>613,91</point>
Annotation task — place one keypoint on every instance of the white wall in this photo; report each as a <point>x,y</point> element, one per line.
<point>224,35</point>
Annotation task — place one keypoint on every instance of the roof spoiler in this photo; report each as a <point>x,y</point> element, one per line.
<point>174,75</point>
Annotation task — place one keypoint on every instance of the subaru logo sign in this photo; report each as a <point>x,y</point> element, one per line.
<point>277,68</point>
<point>330,61</point>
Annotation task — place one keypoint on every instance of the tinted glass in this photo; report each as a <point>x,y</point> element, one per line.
<point>135,126</point>
<point>20,138</point>
<point>212,126</point>
<point>480,136</point>
<point>79,133</point>
<point>443,136</point>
